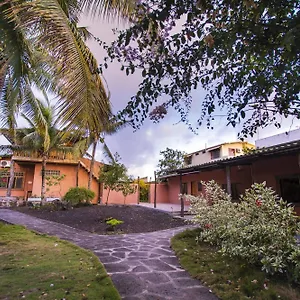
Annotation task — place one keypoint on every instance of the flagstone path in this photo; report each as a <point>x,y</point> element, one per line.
<point>142,266</point>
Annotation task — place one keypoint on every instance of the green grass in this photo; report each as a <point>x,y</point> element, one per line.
<point>228,278</point>
<point>37,266</point>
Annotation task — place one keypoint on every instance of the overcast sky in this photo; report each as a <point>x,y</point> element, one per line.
<point>139,150</point>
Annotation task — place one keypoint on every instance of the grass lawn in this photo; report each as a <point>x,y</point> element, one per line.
<point>35,266</point>
<point>228,278</point>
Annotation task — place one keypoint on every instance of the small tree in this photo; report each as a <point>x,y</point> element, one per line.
<point>115,178</point>
<point>172,160</point>
<point>126,187</point>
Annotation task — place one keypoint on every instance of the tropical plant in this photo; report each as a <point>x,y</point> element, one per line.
<point>43,137</point>
<point>114,178</point>
<point>78,196</point>
<point>95,137</point>
<point>260,229</point>
<point>55,58</point>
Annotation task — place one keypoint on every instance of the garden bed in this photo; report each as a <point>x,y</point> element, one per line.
<point>136,219</point>
<point>229,278</point>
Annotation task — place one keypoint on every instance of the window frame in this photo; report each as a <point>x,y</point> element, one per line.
<point>17,175</point>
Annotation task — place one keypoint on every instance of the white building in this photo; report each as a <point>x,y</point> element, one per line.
<point>286,137</point>
<point>221,151</point>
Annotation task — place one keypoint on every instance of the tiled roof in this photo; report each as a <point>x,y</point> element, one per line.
<point>242,159</point>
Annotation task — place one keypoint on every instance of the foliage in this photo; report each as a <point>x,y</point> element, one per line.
<point>115,178</point>
<point>35,266</point>
<point>55,58</point>
<point>260,229</point>
<point>171,160</point>
<point>144,190</point>
<point>113,222</point>
<point>79,196</point>
<point>229,278</point>
<point>244,54</point>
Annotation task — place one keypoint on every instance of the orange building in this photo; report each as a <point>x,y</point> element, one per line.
<point>28,177</point>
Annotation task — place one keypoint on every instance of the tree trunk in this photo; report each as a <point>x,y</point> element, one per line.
<point>77,173</point>
<point>92,165</point>
<point>43,190</point>
<point>11,178</point>
<point>107,197</point>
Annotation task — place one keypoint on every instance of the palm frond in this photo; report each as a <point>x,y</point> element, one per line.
<point>109,8</point>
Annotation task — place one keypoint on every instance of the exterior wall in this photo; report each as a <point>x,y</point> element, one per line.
<point>277,139</point>
<point>205,157</point>
<point>240,175</point>
<point>201,158</point>
<point>83,178</point>
<point>59,190</point>
<point>265,169</point>
<point>118,198</point>
<point>162,193</point>
<point>28,179</point>
<point>271,169</point>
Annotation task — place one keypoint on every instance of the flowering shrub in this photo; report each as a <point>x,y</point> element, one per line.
<point>261,228</point>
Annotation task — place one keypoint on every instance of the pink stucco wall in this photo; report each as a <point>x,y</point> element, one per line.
<point>162,195</point>
<point>118,198</point>
<point>241,175</point>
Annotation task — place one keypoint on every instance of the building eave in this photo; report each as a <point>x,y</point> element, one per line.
<point>245,159</point>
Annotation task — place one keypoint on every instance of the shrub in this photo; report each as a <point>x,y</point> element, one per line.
<point>79,196</point>
<point>112,222</point>
<point>261,228</point>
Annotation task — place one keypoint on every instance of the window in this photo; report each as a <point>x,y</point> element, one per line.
<point>231,152</point>
<point>184,188</point>
<point>51,173</point>
<point>18,180</point>
<point>215,153</point>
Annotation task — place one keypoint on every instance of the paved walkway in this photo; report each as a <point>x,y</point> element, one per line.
<point>142,266</point>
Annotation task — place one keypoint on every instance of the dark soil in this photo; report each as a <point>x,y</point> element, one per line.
<point>137,219</point>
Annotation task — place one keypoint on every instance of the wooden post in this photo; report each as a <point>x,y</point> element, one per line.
<point>228,180</point>
<point>138,191</point>
<point>154,189</point>
<point>181,197</point>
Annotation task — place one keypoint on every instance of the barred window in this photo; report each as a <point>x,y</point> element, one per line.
<point>18,180</point>
<point>51,172</point>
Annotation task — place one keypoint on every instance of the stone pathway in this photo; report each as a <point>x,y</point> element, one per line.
<point>142,266</point>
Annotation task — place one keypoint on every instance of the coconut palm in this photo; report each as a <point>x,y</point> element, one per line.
<point>43,137</point>
<point>95,138</point>
<point>41,44</point>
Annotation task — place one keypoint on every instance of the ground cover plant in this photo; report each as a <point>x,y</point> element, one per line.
<point>229,278</point>
<point>35,266</point>
<point>136,219</point>
<point>261,228</point>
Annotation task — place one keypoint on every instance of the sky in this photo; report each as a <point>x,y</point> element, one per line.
<point>139,150</point>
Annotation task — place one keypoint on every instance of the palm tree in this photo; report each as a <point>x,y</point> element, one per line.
<point>43,137</point>
<point>95,137</point>
<point>41,44</point>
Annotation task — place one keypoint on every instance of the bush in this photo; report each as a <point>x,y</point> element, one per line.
<point>79,196</point>
<point>261,228</point>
